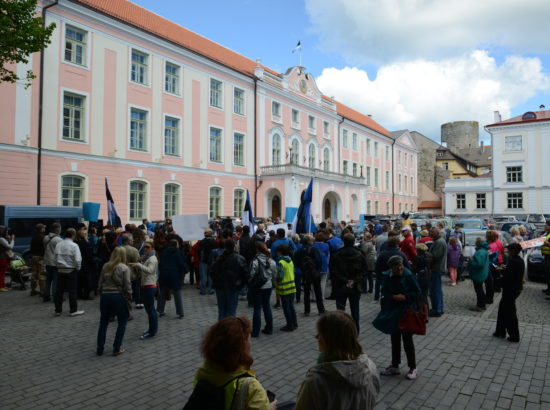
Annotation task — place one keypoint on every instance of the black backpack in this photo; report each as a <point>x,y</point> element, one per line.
<point>206,396</point>
<point>260,278</point>
<point>309,266</point>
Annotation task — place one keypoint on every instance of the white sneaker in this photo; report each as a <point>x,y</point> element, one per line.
<point>412,374</point>
<point>77,313</point>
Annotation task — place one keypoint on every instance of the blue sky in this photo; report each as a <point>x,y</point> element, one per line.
<point>411,65</point>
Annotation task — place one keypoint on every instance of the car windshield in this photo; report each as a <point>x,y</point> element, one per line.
<point>471,239</point>
<point>507,226</point>
<point>471,224</point>
<point>536,219</point>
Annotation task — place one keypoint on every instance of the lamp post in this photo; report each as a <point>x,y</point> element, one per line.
<point>291,159</point>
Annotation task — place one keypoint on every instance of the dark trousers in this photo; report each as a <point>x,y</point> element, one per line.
<point>316,283</point>
<point>227,302</point>
<point>287,302</point>
<point>408,345</point>
<point>298,283</point>
<point>84,284</point>
<point>377,285</point>
<point>370,281</point>
<point>507,319</point>
<point>148,299</point>
<point>489,288</point>
<point>163,292</point>
<point>66,282</point>
<point>495,273</point>
<point>353,296</point>
<point>136,291</point>
<point>51,282</point>
<point>480,294</point>
<point>547,270</point>
<point>112,304</point>
<point>260,301</point>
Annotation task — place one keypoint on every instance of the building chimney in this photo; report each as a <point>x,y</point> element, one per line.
<point>497,118</point>
<point>542,107</point>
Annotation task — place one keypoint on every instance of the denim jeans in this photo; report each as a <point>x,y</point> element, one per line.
<point>136,291</point>
<point>148,299</point>
<point>378,285</point>
<point>436,293</point>
<point>206,280</point>
<point>51,282</point>
<point>287,301</point>
<point>353,296</point>
<point>66,282</point>
<point>316,283</point>
<point>298,284</point>
<point>260,300</point>
<point>112,304</point>
<point>227,302</point>
<point>177,300</point>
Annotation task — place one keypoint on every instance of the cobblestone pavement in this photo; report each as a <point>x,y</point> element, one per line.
<point>49,362</point>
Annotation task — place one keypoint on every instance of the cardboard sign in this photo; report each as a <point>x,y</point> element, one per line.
<point>190,227</point>
<point>532,243</point>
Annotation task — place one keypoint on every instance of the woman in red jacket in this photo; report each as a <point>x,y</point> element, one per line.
<point>407,245</point>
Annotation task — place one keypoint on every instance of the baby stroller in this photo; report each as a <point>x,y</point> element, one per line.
<point>18,272</point>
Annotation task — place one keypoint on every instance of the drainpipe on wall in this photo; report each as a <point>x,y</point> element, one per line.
<point>40,111</point>
<point>339,145</point>
<point>255,149</point>
<point>393,179</point>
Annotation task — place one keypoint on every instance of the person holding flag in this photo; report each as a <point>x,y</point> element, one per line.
<point>303,220</point>
<point>112,215</point>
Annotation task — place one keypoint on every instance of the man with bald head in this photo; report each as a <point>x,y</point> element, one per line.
<point>438,252</point>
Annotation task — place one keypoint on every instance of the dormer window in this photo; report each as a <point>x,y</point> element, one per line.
<point>529,115</point>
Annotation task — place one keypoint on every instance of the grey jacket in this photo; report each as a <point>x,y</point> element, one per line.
<point>50,242</point>
<point>118,281</point>
<point>271,271</point>
<point>148,271</point>
<point>439,255</point>
<point>370,254</point>
<point>347,384</point>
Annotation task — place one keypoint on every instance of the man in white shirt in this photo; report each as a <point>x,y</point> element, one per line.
<point>67,260</point>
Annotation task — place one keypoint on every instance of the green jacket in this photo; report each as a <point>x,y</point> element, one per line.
<point>478,267</point>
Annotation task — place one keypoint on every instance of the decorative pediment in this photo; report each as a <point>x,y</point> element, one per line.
<point>406,140</point>
<point>302,83</point>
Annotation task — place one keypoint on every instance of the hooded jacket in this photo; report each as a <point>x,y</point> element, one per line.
<point>348,263</point>
<point>478,267</point>
<point>346,384</point>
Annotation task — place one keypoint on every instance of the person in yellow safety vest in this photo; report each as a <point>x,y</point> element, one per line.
<point>285,287</point>
<point>545,250</point>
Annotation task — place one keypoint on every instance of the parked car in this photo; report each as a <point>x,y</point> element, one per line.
<point>531,229</point>
<point>469,248</point>
<point>472,224</point>
<point>538,220</point>
<point>535,265</point>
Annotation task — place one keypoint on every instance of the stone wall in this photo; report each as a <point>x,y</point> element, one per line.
<point>460,134</point>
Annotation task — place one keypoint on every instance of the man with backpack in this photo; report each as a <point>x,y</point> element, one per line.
<point>347,268</point>
<point>309,260</point>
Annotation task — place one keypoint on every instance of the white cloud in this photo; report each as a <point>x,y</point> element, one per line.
<point>382,31</point>
<point>421,95</point>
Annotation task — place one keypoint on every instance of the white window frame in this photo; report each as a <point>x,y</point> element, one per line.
<point>387,207</point>
<point>326,160</point>
<point>179,86</point>
<point>147,128</point>
<point>387,152</point>
<point>276,117</point>
<point>511,174</point>
<point>354,141</point>
<point>345,167</point>
<point>243,102</point>
<point>297,154</point>
<point>243,150</point>
<point>376,177</point>
<point>221,96</point>
<point>460,201</point>
<point>369,207</point>
<point>354,169</point>
<point>84,188</point>
<point>222,133</point>
<point>210,214</point>
<point>519,198</point>
<point>312,131</point>
<point>145,201</point>
<point>388,180</point>
<point>147,82</point>
<point>316,151</point>
<point>178,137</point>
<point>513,150</point>
<point>85,130</point>
<point>412,185</point>
<point>86,64</point>
<point>326,129</point>
<point>345,138</point>
<point>368,146</point>
<point>295,124</point>
<point>368,176</point>
<point>376,149</point>
<point>481,200</point>
<point>178,203</point>
<point>272,146</point>
<point>376,207</point>
<point>243,192</point>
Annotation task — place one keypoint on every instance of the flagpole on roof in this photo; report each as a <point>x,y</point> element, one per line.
<point>299,49</point>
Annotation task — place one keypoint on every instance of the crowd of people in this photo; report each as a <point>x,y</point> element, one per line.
<point>402,266</point>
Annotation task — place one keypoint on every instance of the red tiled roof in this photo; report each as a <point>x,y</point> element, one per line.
<point>429,204</point>
<point>139,17</point>
<point>541,116</point>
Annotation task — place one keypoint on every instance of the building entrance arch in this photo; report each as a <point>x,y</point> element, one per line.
<point>332,206</point>
<point>274,203</point>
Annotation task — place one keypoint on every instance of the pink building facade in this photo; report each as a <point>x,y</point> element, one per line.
<point>182,125</point>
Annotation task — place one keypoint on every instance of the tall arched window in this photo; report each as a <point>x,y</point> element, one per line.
<point>295,158</point>
<point>215,198</point>
<point>276,150</point>
<point>171,200</point>
<point>138,200</point>
<point>311,156</point>
<point>72,190</point>
<point>326,159</point>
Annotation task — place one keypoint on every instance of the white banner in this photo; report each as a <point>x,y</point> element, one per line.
<point>190,227</point>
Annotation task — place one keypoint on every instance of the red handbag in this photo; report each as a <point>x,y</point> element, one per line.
<point>413,322</point>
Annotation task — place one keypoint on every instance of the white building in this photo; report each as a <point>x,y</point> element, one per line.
<point>520,180</point>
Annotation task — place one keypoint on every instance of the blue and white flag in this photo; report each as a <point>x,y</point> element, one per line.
<point>298,47</point>
<point>303,221</point>
<point>112,214</point>
<point>247,217</point>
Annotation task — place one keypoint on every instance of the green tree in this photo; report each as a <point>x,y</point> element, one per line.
<point>21,34</point>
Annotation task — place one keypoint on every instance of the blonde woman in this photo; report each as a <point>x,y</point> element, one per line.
<point>115,289</point>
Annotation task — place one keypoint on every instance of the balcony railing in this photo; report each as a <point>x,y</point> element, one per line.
<point>292,169</point>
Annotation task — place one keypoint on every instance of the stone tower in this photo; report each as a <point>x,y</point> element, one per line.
<point>460,134</point>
